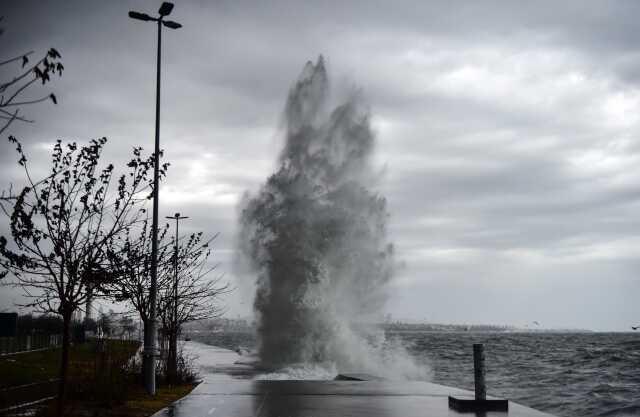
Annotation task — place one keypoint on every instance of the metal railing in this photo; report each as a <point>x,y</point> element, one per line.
<point>26,343</point>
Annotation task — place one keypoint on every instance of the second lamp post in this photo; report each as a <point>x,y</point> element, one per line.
<point>173,341</point>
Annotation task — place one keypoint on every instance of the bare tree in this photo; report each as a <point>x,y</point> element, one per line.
<point>129,258</point>
<point>60,226</point>
<point>28,73</point>
<point>198,294</point>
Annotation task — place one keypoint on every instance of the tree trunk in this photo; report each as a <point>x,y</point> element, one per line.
<point>64,362</point>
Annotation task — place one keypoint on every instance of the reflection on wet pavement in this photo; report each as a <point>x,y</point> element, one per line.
<point>228,390</point>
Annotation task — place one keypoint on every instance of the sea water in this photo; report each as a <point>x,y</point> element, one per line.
<point>565,374</point>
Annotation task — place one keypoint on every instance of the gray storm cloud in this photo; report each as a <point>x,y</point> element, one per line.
<point>315,237</point>
<point>509,133</point>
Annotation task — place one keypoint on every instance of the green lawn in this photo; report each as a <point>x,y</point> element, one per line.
<point>26,368</point>
<point>96,386</point>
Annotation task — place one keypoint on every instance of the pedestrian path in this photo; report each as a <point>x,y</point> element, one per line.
<point>228,390</point>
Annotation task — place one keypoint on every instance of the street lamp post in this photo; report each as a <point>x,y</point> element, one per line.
<point>173,348</point>
<point>150,334</point>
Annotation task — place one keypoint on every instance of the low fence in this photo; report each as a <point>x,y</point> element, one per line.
<point>25,343</point>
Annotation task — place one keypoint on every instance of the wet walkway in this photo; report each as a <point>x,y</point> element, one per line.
<point>228,390</point>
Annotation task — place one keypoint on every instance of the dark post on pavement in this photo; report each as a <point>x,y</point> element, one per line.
<point>478,371</point>
<point>150,334</point>
<point>479,402</point>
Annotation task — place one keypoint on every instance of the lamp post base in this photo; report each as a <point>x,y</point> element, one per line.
<point>465,405</point>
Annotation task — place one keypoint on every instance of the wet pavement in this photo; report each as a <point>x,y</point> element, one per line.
<point>228,390</point>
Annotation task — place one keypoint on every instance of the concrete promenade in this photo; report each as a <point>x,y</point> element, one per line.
<point>228,390</point>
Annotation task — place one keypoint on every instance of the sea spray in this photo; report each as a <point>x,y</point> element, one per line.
<point>314,237</point>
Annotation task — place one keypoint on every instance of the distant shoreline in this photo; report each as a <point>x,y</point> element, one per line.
<point>472,328</point>
<point>248,326</point>
<point>513,331</point>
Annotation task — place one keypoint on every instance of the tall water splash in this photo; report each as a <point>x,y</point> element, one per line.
<point>315,239</point>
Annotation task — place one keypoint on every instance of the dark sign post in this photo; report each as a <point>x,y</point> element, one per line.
<point>8,324</point>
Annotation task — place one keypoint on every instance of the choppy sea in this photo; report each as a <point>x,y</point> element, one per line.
<point>565,374</point>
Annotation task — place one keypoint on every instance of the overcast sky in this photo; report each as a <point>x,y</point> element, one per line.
<point>509,133</point>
